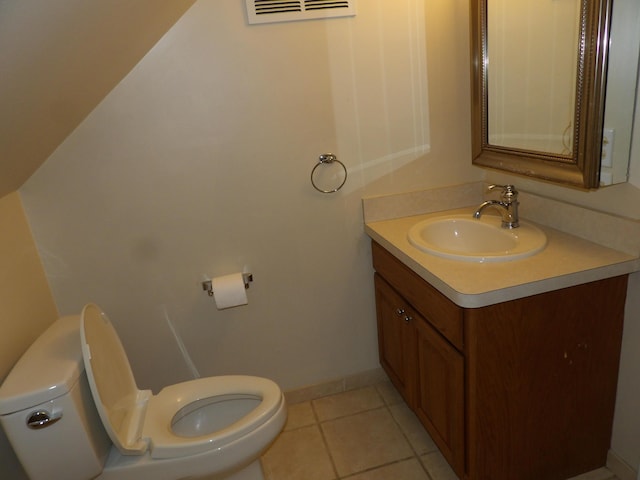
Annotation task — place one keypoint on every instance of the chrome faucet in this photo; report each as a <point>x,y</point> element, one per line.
<point>507,205</point>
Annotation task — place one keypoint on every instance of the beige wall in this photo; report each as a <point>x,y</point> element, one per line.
<point>58,60</point>
<point>27,306</point>
<point>199,160</point>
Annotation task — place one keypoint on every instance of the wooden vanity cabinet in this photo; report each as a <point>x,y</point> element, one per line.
<point>521,390</point>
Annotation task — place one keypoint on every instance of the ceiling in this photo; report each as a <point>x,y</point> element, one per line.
<point>58,60</point>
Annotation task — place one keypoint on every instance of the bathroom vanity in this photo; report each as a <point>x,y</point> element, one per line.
<point>511,367</point>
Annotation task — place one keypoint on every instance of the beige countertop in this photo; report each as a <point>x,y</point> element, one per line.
<point>566,261</point>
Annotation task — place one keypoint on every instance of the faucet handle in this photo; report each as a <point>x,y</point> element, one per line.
<point>505,188</point>
<point>509,193</point>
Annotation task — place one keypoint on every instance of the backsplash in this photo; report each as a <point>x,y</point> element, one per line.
<point>398,205</point>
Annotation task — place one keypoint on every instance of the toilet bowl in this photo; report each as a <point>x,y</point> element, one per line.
<point>77,383</point>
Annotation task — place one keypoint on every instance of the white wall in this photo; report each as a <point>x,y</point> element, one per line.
<point>626,429</point>
<point>198,162</point>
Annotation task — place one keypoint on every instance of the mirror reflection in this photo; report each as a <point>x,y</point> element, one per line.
<point>531,73</point>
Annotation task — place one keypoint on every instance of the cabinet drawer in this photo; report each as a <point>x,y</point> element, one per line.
<point>444,315</point>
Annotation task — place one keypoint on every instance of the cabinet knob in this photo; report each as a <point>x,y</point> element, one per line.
<point>400,312</point>
<point>407,318</point>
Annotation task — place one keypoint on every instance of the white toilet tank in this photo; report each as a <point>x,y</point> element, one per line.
<point>48,386</point>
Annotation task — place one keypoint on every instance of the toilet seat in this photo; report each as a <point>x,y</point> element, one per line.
<point>163,407</point>
<point>137,421</point>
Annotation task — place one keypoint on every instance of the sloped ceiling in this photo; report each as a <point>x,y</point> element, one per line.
<point>58,60</point>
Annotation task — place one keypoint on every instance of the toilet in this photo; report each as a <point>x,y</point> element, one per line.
<point>71,410</point>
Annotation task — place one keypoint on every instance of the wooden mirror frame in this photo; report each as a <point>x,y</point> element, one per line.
<point>582,167</point>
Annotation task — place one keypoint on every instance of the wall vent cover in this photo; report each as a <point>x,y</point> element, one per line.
<point>271,11</point>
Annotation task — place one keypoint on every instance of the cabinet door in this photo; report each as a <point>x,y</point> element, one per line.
<point>440,393</point>
<point>541,382</point>
<point>396,338</point>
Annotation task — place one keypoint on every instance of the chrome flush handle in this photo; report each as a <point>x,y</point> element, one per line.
<point>41,419</point>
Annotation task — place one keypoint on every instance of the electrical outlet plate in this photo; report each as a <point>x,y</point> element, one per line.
<point>608,135</point>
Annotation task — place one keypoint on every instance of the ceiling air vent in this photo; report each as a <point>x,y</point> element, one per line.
<point>271,11</point>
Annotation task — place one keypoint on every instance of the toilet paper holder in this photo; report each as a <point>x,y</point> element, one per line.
<point>207,287</point>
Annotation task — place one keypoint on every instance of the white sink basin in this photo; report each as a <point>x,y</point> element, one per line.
<point>462,237</point>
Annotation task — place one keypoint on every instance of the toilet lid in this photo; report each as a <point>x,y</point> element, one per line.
<point>119,403</point>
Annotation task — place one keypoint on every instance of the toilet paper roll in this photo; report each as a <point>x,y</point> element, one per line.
<point>229,291</point>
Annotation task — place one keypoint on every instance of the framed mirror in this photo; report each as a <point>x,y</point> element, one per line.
<point>539,71</point>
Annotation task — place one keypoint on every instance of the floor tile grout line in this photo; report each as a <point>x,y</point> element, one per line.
<point>385,405</point>
<point>318,424</point>
<point>372,469</point>
<point>416,455</point>
<point>342,417</point>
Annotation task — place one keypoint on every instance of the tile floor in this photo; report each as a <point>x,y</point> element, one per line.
<point>363,434</point>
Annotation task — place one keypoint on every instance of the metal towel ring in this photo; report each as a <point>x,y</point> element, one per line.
<point>328,158</point>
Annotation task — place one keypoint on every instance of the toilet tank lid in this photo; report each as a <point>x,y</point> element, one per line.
<point>47,370</point>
